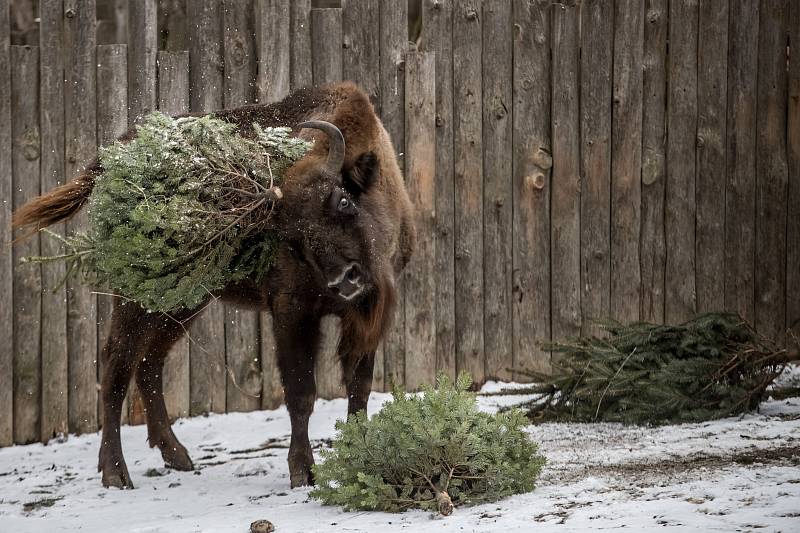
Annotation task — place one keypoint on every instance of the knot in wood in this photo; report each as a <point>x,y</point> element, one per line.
<point>238,54</point>
<point>439,120</point>
<point>69,13</point>
<point>701,141</point>
<point>535,181</point>
<point>437,5</point>
<point>30,145</point>
<point>472,14</point>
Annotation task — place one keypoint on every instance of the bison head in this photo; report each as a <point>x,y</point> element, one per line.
<point>325,219</point>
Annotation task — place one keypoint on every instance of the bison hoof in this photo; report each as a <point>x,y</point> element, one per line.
<point>117,476</point>
<point>178,459</point>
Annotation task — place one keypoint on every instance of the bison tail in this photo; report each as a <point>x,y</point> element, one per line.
<point>57,205</point>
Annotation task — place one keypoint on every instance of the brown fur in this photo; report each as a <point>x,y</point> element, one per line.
<point>317,242</point>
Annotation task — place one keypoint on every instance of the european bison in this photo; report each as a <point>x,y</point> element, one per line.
<point>346,229</point>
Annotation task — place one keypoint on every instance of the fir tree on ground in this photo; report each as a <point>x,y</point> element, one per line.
<point>431,451</point>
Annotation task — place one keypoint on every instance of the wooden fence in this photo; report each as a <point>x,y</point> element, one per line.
<point>625,159</point>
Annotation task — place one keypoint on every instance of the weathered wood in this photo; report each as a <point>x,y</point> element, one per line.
<point>112,121</point>
<point>437,36</point>
<point>679,205</point>
<point>740,192</point>
<point>240,53</point>
<point>771,171</point>
<point>361,60</point>
<point>272,389</point>
<point>274,49</point>
<point>142,50</point>
<point>326,53</point>
<point>626,159</point>
<point>6,259</point>
<point>207,351</point>
<point>300,73</point>
<point>243,388</point>
<point>420,126</point>
<point>597,41</point>
<point>27,278</point>
<point>712,86</point>
<point>393,43</point>
<point>468,168</point>
<point>80,119</point>
<point>497,187</point>
<point>55,413</point>
<point>173,99</point>
<point>532,164</point>
<point>793,160</point>
<point>565,194</point>
<point>652,252</point>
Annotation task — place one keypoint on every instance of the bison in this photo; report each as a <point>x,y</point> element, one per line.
<point>346,231</point>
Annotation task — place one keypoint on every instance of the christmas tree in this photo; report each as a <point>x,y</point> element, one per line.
<point>431,451</point>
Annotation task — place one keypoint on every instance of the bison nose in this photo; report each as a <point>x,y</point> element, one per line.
<point>348,283</point>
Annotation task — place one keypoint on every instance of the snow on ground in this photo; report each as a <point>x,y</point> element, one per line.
<point>737,474</point>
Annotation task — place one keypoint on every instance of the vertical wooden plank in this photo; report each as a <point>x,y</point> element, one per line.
<point>274,49</point>
<point>361,59</point>
<point>626,159</point>
<point>468,168</point>
<point>566,187</point>
<point>740,192</point>
<point>112,122</point>
<point>532,164</point>
<point>497,193</point>
<point>361,64</point>
<point>6,254</point>
<point>652,250</point>
<point>793,151</point>
<point>55,405</point>
<point>771,171</point>
<point>80,119</point>
<point>142,50</point>
<point>27,278</point>
<point>420,113</point>
<point>597,40</point>
<point>393,43</point>
<point>240,53</point>
<point>712,68</point>
<point>437,36</point>
<point>272,389</point>
<point>680,206</point>
<point>300,73</point>
<point>326,54</point>
<point>242,346</point>
<point>274,37</point>
<point>207,352</point>
<point>173,99</point>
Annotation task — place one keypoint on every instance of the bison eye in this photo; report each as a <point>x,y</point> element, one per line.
<point>344,203</point>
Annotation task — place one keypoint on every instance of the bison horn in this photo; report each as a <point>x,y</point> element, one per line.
<point>335,159</point>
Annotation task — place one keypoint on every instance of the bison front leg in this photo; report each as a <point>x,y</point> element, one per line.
<point>359,383</point>
<point>297,342</point>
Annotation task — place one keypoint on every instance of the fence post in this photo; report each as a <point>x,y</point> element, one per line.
<point>497,191</point>
<point>712,85</point>
<point>772,172</point>
<point>55,388</point>
<point>420,126</point>
<point>173,99</point>
<point>565,222</point>
<point>80,119</point>
<point>142,50</point>
<point>532,163</point>
<point>6,259</point>
<point>274,49</point>
<point>207,352</point>
<point>793,140</point>
<point>654,167</point>
<point>597,45</point>
<point>679,207</point>
<point>300,74</point>
<point>112,122</point>
<point>393,43</point>
<point>27,293</point>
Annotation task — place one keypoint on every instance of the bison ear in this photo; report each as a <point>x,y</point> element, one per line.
<point>363,174</point>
